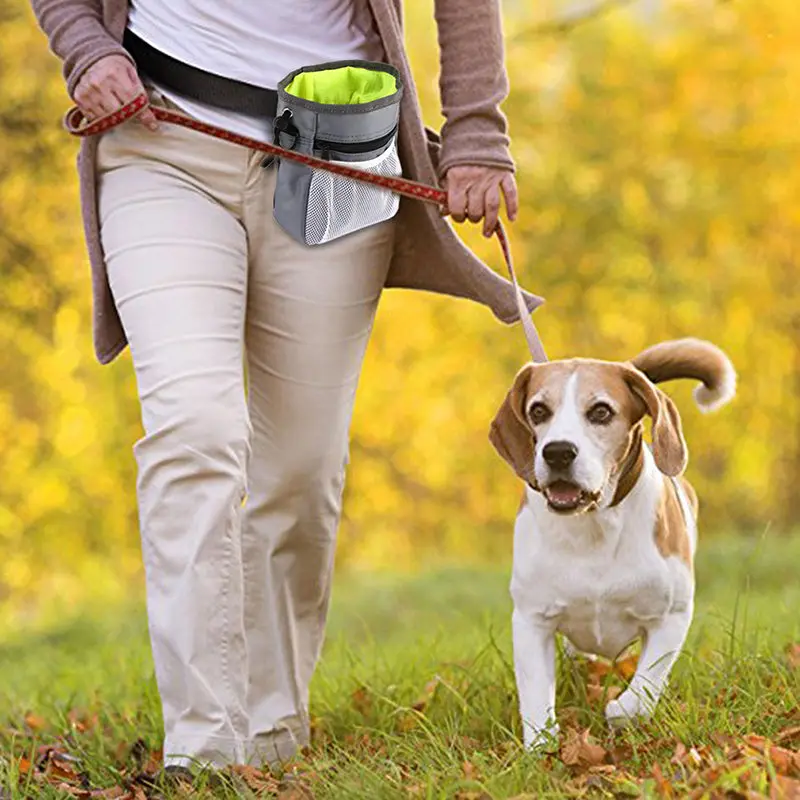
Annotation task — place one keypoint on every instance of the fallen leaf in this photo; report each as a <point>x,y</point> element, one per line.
<point>789,736</point>
<point>626,668</point>
<point>470,771</point>
<point>569,717</point>
<point>663,786</point>
<point>362,700</point>
<point>60,767</point>
<point>785,789</point>
<point>786,762</point>
<point>597,670</point>
<point>621,753</point>
<point>793,655</point>
<point>24,766</point>
<point>296,793</point>
<point>73,791</point>
<point>256,779</point>
<point>35,722</point>
<point>595,693</point>
<point>82,721</point>
<point>112,793</point>
<point>421,703</point>
<point>155,758</point>
<point>579,751</point>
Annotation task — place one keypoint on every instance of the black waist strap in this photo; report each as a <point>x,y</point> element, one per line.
<point>197,84</point>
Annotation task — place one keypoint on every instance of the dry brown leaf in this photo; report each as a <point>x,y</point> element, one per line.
<point>152,765</point>
<point>789,736</point>
<point>626,667</point>
<point>113,793</point>
<point>470,771</point>
<point>569,717</point>
<point>595,693</point>
<point>362,700</point>
<point>35,722</point>
<point>793,655</point>
<point>578,750</point>
<point>296,792</point>
<point>663,786</point>
<point>74,791</point>
<point>421,703</point>
<point>24,766</point>
<point>597,670</point>
<point>82,721</point>
<point>256,779</point>
<point>786,762</point>
<point>620,753</point>
<point>58,768</point>
<point>785,789</point>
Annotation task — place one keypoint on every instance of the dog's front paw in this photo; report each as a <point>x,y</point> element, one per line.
<point>541,740</point>
<point>628,708</point>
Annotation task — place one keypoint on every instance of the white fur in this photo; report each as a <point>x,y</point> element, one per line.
<point>709,400</point>
<point>598,579</point>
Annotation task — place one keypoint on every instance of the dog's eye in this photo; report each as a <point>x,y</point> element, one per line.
<point>600,414</point>
<point>538,413</point>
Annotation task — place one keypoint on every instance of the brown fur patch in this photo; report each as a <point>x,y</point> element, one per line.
<point>672,536</point>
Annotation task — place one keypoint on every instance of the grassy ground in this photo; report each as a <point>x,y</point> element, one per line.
<point>415,696</point>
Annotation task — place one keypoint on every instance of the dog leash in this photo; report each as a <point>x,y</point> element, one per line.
<point>76,124</point>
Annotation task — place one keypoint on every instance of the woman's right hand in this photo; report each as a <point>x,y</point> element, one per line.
<point>107,85</point>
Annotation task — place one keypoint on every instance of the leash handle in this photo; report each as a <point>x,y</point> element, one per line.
<point>77,125</point>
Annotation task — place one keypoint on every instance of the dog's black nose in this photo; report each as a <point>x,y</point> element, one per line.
<point>559,455</point>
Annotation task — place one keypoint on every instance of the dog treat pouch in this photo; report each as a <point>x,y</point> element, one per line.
<point>345,112</point>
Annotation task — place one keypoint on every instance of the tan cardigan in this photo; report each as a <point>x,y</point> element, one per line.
<point>428,254</point>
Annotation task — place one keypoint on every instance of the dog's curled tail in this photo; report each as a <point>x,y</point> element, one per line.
<point>691,358</point>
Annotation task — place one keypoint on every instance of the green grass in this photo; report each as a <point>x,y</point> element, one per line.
<point>389,638</point>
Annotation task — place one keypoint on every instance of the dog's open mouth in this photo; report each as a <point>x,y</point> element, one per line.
<point>564,497</point>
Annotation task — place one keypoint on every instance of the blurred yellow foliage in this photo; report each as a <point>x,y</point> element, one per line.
<point>660,197</point>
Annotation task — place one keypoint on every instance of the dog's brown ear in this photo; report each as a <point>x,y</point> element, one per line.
<point>510,433</point>
<point>669,446</point>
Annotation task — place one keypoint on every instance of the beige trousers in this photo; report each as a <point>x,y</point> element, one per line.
<point>239,483</point>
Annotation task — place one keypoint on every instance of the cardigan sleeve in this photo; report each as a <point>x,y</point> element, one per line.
<point>473,83</point>
<point>76,34</point>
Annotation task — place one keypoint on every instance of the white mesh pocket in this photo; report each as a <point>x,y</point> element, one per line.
<point>338,206</point>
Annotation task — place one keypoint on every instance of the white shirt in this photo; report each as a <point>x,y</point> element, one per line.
<point>258,43</point>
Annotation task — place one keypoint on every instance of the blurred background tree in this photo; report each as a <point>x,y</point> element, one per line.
<point>657,156</point>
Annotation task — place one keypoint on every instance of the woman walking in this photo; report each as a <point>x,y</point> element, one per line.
<point>240,482</point>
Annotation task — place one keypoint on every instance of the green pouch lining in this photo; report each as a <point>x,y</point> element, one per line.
<point>345,86</point>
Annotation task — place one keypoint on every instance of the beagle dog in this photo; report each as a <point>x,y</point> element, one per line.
<point>605,535</point>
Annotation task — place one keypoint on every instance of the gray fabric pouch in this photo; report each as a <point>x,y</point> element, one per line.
<point>358,129</point>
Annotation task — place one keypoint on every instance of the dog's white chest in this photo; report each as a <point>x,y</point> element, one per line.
<point>603,610</point>
<point>601,589</point>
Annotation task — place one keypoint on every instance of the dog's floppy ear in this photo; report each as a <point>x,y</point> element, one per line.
<point>510,433</point>
<point>669,446</point>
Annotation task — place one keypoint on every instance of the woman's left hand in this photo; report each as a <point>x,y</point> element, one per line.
<point>474,193</point>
